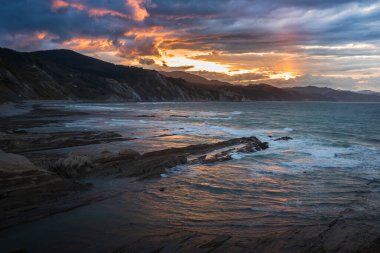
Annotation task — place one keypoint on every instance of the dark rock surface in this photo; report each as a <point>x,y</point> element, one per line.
<point>24,186</point>
<point>73,166</point>
<point>132,164</point>
<point>285,138</point>
<point>157,162</point>
<point>20,142</point>
<point>145,116</point>
<point>343,235</point>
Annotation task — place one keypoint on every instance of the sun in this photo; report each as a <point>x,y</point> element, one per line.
<point>197,65</point>
<point>284,75</point>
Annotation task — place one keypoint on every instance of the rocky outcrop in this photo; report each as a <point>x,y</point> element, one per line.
<point>157,162</point>
<point>284,138</point>
<point>24,186</point>
<point>80,166</point>
<point>132,164</point>
<point>21,141</point>
<point>107,157</point>
<point>74,166</point>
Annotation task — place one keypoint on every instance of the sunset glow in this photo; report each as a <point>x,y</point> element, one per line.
<point>285,76</point>
<point>190,126</point>
<point>196,65</point>
<point>288,45</point>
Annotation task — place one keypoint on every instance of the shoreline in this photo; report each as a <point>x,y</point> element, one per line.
<point>74,169</point>
<point>69,176</point>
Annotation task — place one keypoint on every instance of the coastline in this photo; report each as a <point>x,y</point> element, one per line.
<point>334,235</point>
<point>18,146</point>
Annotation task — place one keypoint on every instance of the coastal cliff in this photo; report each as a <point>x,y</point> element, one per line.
<point>67,75</point>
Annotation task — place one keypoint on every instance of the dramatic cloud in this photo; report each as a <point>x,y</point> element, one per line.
<point>146,61</point>
<point>139,12</point>
<point>282,42</point>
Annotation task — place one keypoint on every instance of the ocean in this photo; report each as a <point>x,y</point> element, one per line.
<point>330,166</point>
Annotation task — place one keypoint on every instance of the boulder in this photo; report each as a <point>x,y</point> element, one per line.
<point>284,138</point>
<point>125,154</point>
<point>74,166</point>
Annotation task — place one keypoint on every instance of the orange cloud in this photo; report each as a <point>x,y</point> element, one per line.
<point>154,31</point>
<point>146,42</point>
<point>41,35</point>
<point>58,4</point>
<point>139,13</point>
<point>89,44</point>
<point>102,12</point>
<point>146,46</point>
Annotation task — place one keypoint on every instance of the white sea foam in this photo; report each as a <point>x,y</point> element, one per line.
<point>233,131</point>
<point>238,156</point>
<point>304,153</point>
<point>287,129</point>
<point>94,107</point>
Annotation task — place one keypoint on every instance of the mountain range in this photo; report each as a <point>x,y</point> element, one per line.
<point>65,74</point>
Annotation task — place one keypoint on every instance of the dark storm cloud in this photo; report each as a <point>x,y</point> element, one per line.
<point>32,16</point>
<point>228,25</point>
<point>323,36</point>
<point>238,26</point>
<point>146,61</point>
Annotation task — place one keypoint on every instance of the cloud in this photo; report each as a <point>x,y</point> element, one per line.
<point>89,44</point>
<point>139,13</point>
<point>139,47</point>
<point>251,41</point>
<point>146,61</point>
<point>58,4</point>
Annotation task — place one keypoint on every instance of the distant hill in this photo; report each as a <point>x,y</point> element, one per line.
<point>191,78</point>
<point>327,94</point>
<point>65,74</point>
<point>368,92</point>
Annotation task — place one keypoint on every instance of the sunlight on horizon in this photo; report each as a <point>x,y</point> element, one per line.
<point>284,75</point>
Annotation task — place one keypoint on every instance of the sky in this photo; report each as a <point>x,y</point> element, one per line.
<point>281,42</point>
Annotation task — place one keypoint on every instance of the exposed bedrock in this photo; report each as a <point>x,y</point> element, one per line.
<point>132,164</point>
<point>341,235</point>
<point>157,162</point>
<point>24,186</point>
<point>21,141</point>
<point>284,138</point>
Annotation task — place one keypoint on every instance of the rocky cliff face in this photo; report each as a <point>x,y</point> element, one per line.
<point>65,74</point>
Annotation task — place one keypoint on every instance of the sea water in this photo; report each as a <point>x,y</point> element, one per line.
<point>331,165</point>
